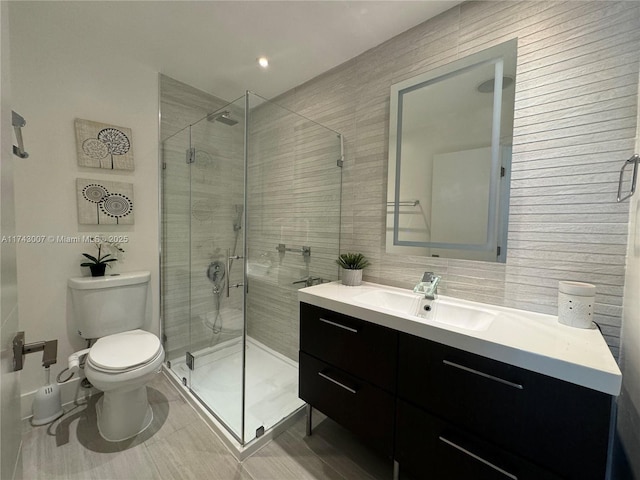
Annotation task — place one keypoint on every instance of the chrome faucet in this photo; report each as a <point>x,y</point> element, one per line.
<point>428,285</point>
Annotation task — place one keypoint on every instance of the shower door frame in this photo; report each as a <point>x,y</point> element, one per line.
<point>229,428</point>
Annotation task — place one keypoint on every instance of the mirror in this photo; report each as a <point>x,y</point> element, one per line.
<point>450,138</point>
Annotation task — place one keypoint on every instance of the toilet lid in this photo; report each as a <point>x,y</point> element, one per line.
<point>124,351</point>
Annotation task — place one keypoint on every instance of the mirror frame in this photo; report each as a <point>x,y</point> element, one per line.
<point>497,221</point>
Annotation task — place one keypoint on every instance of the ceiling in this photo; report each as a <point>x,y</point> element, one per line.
<point>213,45</point>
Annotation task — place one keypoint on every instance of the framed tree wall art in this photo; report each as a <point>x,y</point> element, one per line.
<point>103,202</point>
<point>100,145</point>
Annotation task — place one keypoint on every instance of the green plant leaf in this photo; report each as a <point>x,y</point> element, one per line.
<point>352,261</point>
<point>91,257</point>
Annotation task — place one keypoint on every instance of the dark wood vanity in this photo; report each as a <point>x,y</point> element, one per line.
<point>444,413</point>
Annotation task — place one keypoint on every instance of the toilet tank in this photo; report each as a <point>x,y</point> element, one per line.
<point>111,304</point>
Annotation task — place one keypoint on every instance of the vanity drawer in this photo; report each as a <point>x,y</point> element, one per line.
<point>428,447</point>
<point>563,426</point>
<point>477,393</point>
<point>355,404</point>
<point>361,348</point>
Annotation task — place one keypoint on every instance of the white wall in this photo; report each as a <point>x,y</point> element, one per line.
<point>56,80</point>
<point>629,400</point>
<point>10,428</point>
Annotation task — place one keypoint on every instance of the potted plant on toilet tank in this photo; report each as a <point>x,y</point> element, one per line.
<point>99,263</point>
<point>352,265</point>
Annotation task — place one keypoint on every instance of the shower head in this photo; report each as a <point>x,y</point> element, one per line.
<point>489,85</point>
<point>224,117</point>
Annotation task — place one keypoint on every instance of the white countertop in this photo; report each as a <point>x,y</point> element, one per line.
<point>529,340</point>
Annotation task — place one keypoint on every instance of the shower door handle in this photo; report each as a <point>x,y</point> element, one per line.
<point>228,271</point>
<point>229,258</point>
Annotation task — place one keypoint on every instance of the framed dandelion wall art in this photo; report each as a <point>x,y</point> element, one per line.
<point>103,146</point>
<point>104,203</point>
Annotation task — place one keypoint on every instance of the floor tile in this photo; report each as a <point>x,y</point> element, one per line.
<point>289,458</point>
<point>342,450</point>
<point>71,448</point>
<point>195,452</point>
<point>180,445</point>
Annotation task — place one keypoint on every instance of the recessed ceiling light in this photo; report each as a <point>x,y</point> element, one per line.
<point>263,62</point>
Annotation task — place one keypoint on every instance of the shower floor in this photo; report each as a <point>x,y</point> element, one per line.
<point>271,392</point>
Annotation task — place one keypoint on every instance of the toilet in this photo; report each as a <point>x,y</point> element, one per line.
<point>111,310</point>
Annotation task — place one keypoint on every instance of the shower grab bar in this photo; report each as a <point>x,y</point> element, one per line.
<point>304,250</point>
<point>405,203</point>
<point>634,159</point>
<point>229,258</point>
<point>18,122</point>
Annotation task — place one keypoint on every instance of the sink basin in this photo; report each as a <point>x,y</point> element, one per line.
<point>460,315</point>
<point>444,310</point>
<point>399,302</point>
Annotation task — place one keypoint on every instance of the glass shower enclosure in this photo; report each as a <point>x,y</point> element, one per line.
<point>250,214</point>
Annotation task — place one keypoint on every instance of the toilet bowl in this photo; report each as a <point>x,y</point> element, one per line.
<point>121,365</point>
<point>112,311</point>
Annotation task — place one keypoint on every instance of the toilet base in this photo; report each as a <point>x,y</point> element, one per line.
<point>122,415</point>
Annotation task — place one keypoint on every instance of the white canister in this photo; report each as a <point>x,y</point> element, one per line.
<point>575,304</point>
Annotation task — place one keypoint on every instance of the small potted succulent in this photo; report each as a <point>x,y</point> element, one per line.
<point>99,263</point>
<point>352,265</point>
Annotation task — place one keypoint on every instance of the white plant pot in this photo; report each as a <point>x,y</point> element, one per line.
<point>353,278</point>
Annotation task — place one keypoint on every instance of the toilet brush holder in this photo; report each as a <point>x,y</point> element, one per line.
<point>47,404</point>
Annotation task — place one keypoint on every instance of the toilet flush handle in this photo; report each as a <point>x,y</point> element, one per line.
<point>74,365</point>
<point>75,359</point>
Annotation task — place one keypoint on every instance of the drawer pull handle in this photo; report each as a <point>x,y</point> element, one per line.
<point>482,374</point>
<point>327,377</point>
<point>480,459</point>
<point>350,329</point>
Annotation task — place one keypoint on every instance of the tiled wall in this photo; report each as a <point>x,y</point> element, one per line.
<point>294,199</point>
<point>575,123</point>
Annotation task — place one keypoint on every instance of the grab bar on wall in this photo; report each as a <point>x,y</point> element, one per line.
<point>633,160</point>
<point>406,203</point>
<point>304,250</point>
<point>18,122</point>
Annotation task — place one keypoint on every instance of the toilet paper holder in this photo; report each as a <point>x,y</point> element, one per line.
<point>49,349</point>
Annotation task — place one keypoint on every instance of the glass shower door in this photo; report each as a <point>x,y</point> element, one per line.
<point>293,227</point>
<point>175,250</point>
<point>216,164</point>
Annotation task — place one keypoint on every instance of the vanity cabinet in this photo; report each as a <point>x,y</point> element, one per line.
<point>446,413</point>
<point>558,426</point>
<point>348,371</point>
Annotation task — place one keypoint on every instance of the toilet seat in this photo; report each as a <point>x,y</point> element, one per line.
<point>124,352</point>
